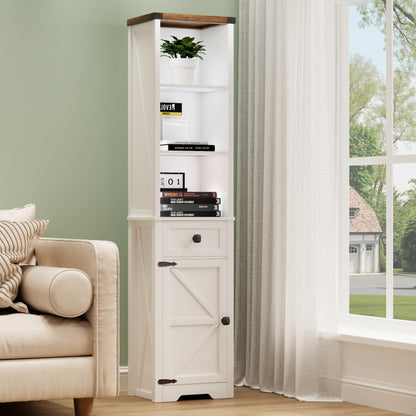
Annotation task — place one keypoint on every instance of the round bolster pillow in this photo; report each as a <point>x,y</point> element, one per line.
<point>55,290</point>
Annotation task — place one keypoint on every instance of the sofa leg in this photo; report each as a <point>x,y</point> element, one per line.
<point>83,407</point>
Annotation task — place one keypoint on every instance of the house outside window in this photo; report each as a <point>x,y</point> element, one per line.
<point>382,159</point>
<point>365,234</point>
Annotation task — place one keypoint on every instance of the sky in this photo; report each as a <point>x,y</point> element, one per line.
<point>368,42</point>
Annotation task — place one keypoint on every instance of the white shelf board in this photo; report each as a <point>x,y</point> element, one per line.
<point>189,153</point>
<point>192,219</point>
<point>135,217</point>
<point>191,88</point>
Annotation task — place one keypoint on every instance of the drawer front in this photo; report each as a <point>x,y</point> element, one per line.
<point>196,239</point>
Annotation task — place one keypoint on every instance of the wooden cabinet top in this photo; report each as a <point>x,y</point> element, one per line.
<point>182,20</point>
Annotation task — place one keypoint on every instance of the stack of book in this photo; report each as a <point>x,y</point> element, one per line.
<point>189,204</point>
<point>188,146</point>
<point>174,131</point>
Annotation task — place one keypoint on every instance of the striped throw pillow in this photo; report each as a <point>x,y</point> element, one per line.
<point>17,242</point>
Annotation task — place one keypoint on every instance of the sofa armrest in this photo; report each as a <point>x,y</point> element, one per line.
<point>100,261</point>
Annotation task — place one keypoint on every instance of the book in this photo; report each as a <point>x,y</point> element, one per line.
<point>170,109</point>
<point>190,200</point>
<point>190,213</point>
<point>188,147</point>
<point>189,207</point>
<point>168,194</point>
<point>173,189</point>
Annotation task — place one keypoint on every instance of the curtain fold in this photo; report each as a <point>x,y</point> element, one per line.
<point>286,256</point>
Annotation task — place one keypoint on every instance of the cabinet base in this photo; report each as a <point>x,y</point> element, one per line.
<point>174,393</point>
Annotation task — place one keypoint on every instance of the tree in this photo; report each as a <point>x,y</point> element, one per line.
<point>382,254</point>
<point>404,203</point>
<point>366,87</point>
<point>410,195</point>
<point>404,24</point>
<point>404,99</point>
<point>368,180</point>
<point>368,104</point>
<point>404,107</point>
<point>363,142</point>
<point>408,244</point>
<point>400,216</point>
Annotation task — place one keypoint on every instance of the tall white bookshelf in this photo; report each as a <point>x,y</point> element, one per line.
<point>180,269</point>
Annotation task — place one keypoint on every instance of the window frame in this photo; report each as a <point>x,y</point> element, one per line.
<point>353,249</point>
<point>353,213</point>
<point>373,330</point>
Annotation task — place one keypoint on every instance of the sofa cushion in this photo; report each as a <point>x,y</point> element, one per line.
<point>26,213</point>
<point>17,242</point>
<point>43,336</point>
<point>56,290</point>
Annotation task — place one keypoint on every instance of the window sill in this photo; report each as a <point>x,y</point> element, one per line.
<point>378,332</point>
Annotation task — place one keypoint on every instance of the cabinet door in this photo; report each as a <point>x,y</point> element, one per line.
<point>195,340</point>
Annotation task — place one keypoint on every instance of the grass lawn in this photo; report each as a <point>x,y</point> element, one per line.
<point>401,272</point>
<point>375,305</point>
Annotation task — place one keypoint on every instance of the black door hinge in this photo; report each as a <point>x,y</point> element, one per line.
<point>166,263</point>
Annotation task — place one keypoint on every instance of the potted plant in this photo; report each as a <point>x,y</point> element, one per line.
<point>183,54</point>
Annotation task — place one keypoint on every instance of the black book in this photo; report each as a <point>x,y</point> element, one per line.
<point>190,200</point>
<point>188,147</point>
<point>176,194</point>
<point>173,189</point>
<point>190,213</point>
<point>189,207</point>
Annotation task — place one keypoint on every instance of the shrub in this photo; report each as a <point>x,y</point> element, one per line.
<point>408,244</point>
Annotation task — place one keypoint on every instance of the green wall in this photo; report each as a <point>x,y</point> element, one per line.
<point>63,113</point>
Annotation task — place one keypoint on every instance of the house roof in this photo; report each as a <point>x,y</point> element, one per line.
<point>366,220</point>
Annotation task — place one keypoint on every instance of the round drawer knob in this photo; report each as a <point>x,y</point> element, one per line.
<point>226,320</point>
<point>196,238</point>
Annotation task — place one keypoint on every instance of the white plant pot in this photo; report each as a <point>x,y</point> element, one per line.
<point>183,70</point>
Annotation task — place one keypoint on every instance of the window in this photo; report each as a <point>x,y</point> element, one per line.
<point>353,213</point>
<point>382,158</point>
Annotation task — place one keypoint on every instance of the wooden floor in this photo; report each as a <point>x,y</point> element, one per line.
<point>246,403</point>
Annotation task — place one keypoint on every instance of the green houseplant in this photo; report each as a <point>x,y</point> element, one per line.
<point>182,54</point>
<point>182,48</point>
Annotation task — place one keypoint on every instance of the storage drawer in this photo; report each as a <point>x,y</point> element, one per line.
<point>196,239</point>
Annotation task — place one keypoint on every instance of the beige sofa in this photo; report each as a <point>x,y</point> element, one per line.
<point>44,356</point>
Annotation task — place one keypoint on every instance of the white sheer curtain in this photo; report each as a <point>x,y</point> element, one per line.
<point>286,255</point>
